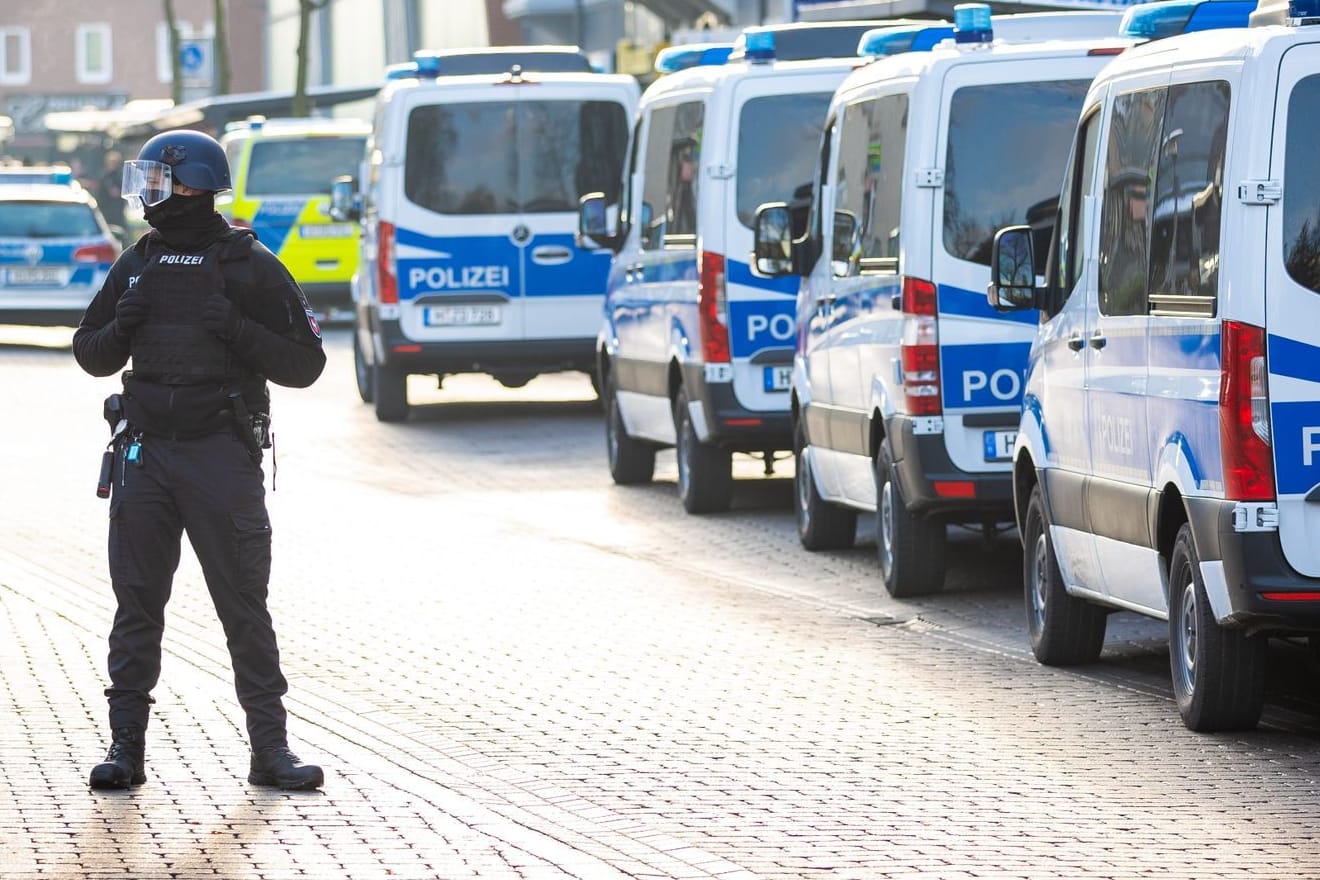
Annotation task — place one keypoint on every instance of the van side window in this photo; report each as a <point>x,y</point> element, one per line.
<point>1189,188</point>
<point>1077,185</point>
<point>814,228</point>
<point>1301,185</point>
<point>627,209</point>
<point>1130,161</point>
<point>869,185</point>
<point>672,163</point>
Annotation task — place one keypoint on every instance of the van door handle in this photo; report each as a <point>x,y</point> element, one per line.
<point>1098,342</point>
<point>1075,342</point>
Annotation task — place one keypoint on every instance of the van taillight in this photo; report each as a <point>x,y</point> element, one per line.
<point>95,253</point>
<point>387,281</point>
<point>712,307</point>
<point>919,351</point>
<point>1244,414</point>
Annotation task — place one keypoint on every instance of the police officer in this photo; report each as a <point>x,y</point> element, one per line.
<point>207,315</point>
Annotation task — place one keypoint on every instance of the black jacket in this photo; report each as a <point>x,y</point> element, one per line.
<point>279,341</point>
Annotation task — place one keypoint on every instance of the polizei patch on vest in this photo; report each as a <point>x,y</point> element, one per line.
<point>182,259</point>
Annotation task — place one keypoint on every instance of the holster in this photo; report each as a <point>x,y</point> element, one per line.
<point>252,429</point>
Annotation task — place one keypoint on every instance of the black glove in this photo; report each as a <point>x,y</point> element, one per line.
<point>221,317</point>
<point>131,311</point>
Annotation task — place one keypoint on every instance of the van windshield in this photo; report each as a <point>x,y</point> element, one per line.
<point>779,168</point>
<point>511,157</point>
<point>47,220</point>
<point>301,167</point>
<point>1008,144</point>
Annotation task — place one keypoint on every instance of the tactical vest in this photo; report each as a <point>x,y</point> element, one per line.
<point>173,347</point>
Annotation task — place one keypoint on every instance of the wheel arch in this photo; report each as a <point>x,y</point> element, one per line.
<point>1024,481</point>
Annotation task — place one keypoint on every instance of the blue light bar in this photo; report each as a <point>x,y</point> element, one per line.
<point>882,42</point>
<point>428,63</point>
<point>971,23</point>
<point>1155,21</point>
<point>677,58</point>
<point>759,46</point>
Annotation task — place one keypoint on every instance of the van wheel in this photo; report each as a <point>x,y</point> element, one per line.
<point>1218,673</point>
<point>1064,630</point>
<point>363,371</point>
<point>390,393</point>
<point>821,525</point>
<point>705,471</point>
<point>632,462</point>
<point>911,549</point>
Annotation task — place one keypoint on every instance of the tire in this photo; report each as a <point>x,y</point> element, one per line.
<point>705,471</point>
<point>1064,630</point>
<point>820,524</point>
<point>632,462</point>
<point>1218,673</point>
<point>390,392</point>
<point>363,371</point>
<point>910,548</point>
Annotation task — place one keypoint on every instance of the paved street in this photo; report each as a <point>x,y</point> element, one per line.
<point>511,668</point>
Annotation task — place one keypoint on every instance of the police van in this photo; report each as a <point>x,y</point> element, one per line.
<point>906,386</point>
<point>1168,456</point>
<point>469,201</point>
<point>281,170</point>
<point>695,351</point>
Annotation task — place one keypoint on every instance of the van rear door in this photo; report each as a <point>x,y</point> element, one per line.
<point>1292,306</point>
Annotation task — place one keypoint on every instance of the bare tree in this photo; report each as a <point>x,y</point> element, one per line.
<point>176,63</point>
<point>301,106</point>
<point>222,72</point>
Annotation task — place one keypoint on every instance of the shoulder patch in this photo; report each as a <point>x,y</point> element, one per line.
<point>311,323</point>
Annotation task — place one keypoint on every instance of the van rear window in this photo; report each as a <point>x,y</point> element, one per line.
<point>1301,185</point>
<point>779,168</point>
<point>289,167</point>
<point>1008,144</point>
<point>47,220</point>
<point>508,157</point>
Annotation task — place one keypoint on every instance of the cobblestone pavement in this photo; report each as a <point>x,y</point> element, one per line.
<point>511,668</point>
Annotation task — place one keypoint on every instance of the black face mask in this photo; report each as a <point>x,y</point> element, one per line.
<point>187,222</point>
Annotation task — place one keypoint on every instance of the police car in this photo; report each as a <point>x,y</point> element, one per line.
<point>55,247</point>
<point>282,170</point>
<point>469,199</point>
<point>906,387</point>
<point>696,351</point>
<point>1168,456</point>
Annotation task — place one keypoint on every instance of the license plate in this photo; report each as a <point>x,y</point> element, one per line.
<point>327,230</point>
<point>460,316</point>
<point>37,277</point>
<point>778,378</point>
<point>999,445</point>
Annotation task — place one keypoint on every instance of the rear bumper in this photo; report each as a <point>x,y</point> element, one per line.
<point>494,356</point>
<point>1254,564</point>
<point>926,475</point>
<point>729,423</point>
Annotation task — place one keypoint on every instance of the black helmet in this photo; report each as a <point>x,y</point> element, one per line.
<point>195,158</point>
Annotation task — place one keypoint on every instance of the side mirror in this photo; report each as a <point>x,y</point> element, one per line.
<point>594,222</point>
<point>343,199</point>
<point>1012,262</point>
<point>846,243</point>
<point>772,240</point>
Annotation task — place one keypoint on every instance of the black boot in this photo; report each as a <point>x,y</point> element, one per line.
<point>277,767</point>
<point>123,765</point>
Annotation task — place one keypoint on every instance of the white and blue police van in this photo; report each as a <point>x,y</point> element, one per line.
<point>1168,456</point>
<point>696,351</point>
<point>468,202</point>
<point>906,385</point>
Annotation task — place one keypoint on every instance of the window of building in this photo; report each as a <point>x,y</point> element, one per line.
<point>92,53</point>
<point>15,56</point>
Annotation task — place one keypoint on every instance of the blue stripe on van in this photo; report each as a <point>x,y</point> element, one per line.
<point>738,272</point>
<point>274,219</point>
<point>1297,360</point>
<point>1295,430</point>
<point>983,375</point>
<point>972,304</point>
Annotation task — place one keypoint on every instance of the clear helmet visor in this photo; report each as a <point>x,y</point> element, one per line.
<point>147,183</point>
